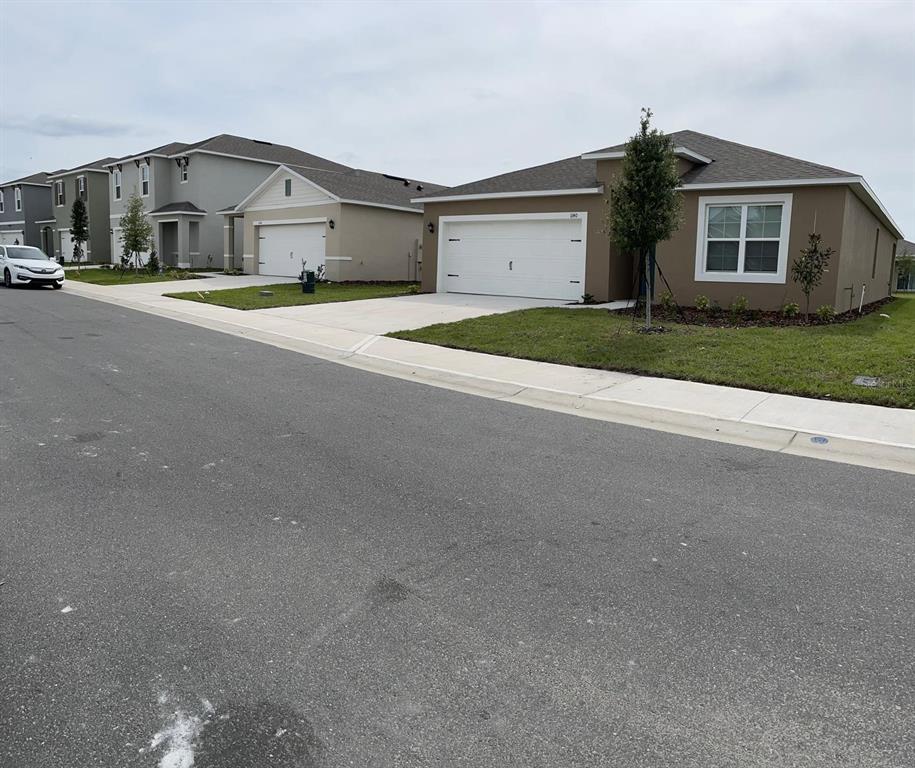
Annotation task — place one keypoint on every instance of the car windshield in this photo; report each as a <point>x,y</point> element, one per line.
<point>24,252</point>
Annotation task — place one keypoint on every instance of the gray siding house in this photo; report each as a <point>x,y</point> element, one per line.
<point>185,187</point>
<point>25,207</point>
<point>195,193</point>
<point>89,182</point>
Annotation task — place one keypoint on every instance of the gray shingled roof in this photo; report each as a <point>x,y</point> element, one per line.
<point>181,205</point>
<point>263,150</point>
<point>35,178</point>
<point>341,180</point>
<point>368,186</point>
<point>97,165</point>
<point>731,162</point>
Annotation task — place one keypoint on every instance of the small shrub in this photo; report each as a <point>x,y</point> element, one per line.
<point>739,306</point>
<point>152,264</point>
<point>587,298</point>
<point>715,309</point>
<point>826,313</point>
<point>702,303</point>
<point>667,301</point>
<point>790,309</point>
<point>413,289</point>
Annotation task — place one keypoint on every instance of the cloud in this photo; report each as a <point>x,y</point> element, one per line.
<point>66,126</point>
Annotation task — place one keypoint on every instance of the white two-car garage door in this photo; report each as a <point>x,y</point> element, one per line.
<point>530,255</point>
<point>283,247</point>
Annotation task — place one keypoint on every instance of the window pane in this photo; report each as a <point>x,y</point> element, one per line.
<point>764,220</point>
<point>724,221</point>
<point>722,256</point>
<point>761,256</point>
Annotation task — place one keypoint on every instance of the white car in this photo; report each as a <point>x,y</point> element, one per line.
<point>25,265</point>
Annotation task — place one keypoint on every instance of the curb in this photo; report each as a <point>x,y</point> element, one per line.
<point>777,438</point>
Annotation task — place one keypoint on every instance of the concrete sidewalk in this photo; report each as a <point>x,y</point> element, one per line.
<point>350,333</point>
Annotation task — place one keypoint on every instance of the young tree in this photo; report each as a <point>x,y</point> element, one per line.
<point>644,202</point>
<point>136,230</point>
<point>79,229</point>
<point>808,269</point>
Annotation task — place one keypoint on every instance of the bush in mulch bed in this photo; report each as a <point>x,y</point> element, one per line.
<point>722,317</point>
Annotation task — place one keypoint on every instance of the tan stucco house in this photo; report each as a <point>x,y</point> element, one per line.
<point>360,225</point>
<point>747,212</point>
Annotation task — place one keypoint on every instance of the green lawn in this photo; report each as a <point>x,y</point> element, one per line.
<point>98,276</point>
<point>290,294</point>
<point>815,361</point>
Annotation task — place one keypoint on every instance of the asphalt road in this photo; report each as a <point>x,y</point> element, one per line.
<point>216,550</point>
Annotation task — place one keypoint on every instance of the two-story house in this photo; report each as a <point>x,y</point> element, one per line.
<point>25,207</point>
<point>195,193</point>
<point>185,186</point>
<point>88,182</point>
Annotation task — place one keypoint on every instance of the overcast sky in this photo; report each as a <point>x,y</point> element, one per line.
<point>452,92</point>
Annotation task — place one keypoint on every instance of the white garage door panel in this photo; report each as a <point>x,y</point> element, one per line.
<point>540,258</point>
<point>284,246</point>
<point>12,237</point>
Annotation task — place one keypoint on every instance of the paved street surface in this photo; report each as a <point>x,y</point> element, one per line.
<point>222,554</point>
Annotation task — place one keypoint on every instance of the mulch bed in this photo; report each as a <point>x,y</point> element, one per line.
<point>753,318</point>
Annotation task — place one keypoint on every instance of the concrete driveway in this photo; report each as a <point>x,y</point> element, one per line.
<point>380,316</point>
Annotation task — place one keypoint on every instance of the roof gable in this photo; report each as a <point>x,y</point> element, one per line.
<point>271,193</point>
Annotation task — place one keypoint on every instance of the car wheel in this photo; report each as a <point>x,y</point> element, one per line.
<point>7,279</point>
<point>57,286</point>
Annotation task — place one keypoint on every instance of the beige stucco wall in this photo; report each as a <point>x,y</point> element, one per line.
<point>601,281</point>
<point>610,276</point>
<point>822,207</point>
<point>366,243</point>
<point>251,243</point>
<point>377,243</point>
<point>857,266</point>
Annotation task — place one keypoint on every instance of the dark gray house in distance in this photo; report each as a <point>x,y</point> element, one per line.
<point>89,182</point>
<point>25,206</point>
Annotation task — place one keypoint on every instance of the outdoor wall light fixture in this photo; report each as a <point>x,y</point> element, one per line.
<point>431,227</point>
<point>331,224</point>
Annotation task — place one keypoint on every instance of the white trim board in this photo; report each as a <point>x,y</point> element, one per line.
<point>4,223</point>
<point>125,160</point>
<point>76,170</point>
<point>496,195</point>
<point>381,205</point>
<point>854,182</point>
<point>178,213</point>
<point>269,222</point>
<point>685,152</point>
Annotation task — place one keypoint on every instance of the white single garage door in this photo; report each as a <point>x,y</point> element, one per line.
<point>283,248</point>
<point>11,237</point>
<point>531,255</point>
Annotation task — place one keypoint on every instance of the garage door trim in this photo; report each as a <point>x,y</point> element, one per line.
<point>268,222</point>
<point>443,221</point>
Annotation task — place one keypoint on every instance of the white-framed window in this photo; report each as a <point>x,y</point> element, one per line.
<point>81,186</point>
<point>2,204</point>
<point>287,188</point>
<point>144,180</point>
<point>17,198</point>
<point>117,185</point>
<point>183,173</point>
<point>743,238</point>
<point>59,192</point>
